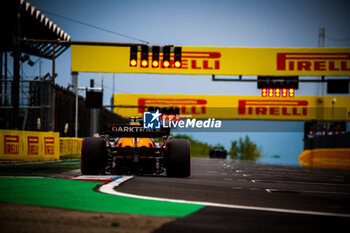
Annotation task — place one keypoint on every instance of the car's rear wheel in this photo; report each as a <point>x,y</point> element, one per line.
<point>224,154</point>
<point>93,156</point>
<point>178,158</point>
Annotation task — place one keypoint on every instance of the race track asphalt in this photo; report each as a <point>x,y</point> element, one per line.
<point>265,198</point>
<point>228,196</point>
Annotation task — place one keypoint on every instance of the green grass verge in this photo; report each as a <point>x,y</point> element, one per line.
<point>79,195</point>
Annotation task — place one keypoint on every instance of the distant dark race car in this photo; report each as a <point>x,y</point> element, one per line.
<point>218,152</point>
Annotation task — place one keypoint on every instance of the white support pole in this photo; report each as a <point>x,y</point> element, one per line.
<point>75,89</point>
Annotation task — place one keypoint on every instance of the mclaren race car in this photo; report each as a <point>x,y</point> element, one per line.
<point>132,149</point>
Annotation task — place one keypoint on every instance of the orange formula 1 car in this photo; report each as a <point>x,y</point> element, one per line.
<point>131,149</point>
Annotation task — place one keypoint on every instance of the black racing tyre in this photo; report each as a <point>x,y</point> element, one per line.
<point>178,158</point>
<point>211,153</point>
<point>224,154</point>
<point>93,156</point>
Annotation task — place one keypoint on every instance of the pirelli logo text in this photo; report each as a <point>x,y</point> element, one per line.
<point>201,60</point>
<point>11,145</point>
<point>194,61</point>
<point>33,145</point>
<point>313,62</point>
<point>49,145</point>
<point>186,106</point>
<point>272,107</point>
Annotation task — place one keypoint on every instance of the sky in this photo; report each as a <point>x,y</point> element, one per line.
<point>235,23</point>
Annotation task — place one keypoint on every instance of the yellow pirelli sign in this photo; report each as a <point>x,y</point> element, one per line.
<point>220,61</point>
<point>70,147</point>
<point>238,107</point>
<point>29,145</point>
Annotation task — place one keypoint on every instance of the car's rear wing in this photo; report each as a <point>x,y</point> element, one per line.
<point>135,131</point>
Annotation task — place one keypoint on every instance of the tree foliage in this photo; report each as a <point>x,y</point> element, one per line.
<point>245,149</point>
<point>198,149</point>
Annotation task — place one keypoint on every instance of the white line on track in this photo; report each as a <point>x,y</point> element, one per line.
<point>305,191</point>
<point>300,182</point>
<point>109,188</point>
<point>97,177</point>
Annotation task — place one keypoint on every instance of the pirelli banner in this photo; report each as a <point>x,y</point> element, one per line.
<point>70,148</point>
<point>29,145</point>
<point>299,108</point>
<point>220,61</point>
